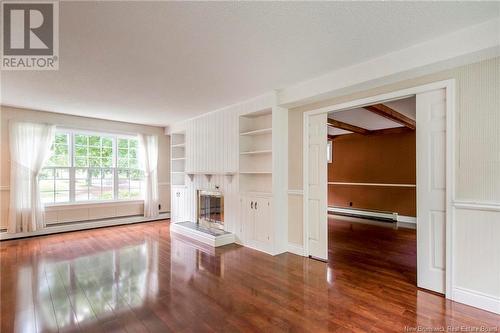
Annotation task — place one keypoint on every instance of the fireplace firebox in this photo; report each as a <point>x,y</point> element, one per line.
<point>210,209</point>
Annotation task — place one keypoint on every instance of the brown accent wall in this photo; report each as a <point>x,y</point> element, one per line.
<point>388,157</point>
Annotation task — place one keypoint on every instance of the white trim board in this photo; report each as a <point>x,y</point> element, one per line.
<point>76,226</point>
<point>477,299</point>
<point>372,184</point>
<point>449,86</point>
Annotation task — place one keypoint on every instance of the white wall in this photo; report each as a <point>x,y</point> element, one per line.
<point>83,212</point>
<point>477,232</point>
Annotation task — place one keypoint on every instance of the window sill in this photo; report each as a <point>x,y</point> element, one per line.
<point>90,204</point>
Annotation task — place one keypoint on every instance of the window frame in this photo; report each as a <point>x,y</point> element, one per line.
<point>71,132</point>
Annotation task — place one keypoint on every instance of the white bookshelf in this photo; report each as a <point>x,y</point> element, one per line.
<point>178,158</point>
<point>255,151</point>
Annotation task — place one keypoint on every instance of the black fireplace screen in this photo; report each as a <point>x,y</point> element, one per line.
<point>211,207</point>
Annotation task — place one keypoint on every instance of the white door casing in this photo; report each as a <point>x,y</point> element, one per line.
<point>431,189</point>
<point>316,209</point>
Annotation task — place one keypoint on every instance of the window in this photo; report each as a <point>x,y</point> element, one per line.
<point>91,167</point>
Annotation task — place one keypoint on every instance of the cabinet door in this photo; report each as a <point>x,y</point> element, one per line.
<point>263,221</point>
<point>248,218</point>
<point>178,204</point>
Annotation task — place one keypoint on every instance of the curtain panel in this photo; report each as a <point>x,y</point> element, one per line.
<point>29,147</point>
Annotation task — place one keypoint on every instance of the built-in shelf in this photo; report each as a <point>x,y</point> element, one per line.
<point>177,158</point>
<point>255,152</point>
<point>258,132</point>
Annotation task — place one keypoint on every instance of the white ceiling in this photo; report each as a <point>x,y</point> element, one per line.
<point>368,120</point>
<point>161,62</point>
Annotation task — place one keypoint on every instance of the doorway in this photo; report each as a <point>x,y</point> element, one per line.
<point>434,119</point>
<point>372,191</point>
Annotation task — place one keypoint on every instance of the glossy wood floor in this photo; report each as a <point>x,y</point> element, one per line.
<point>138,278</point>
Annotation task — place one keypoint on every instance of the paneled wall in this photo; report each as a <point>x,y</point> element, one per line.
<point>72,213</point>
<point>383,158</point>
<point>477,164</point>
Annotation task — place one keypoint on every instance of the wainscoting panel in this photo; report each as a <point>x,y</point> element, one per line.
<point>476,253</point>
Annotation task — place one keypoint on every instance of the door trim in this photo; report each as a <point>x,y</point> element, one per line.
<point>449,86</point>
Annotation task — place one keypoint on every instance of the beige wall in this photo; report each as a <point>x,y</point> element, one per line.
<point>477,131</point>
<point>9,113</point>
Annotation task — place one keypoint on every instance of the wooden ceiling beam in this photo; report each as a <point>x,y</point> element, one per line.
<point>391,114</point>
<point>347,127</point>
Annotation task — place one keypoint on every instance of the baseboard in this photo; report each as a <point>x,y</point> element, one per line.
<point>364,213</point>
<point>476,299</point>
<point>407,219</point>
<point>84,225</point>
<point>297,249</point>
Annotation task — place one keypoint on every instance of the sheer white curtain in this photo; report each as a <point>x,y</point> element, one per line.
<point>29,147</point>
<point>149,161</point>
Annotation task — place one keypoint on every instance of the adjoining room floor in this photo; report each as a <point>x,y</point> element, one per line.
<point>377,252</point>
<point>137,278</point>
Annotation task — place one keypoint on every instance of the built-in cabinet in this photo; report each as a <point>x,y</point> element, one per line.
<point>257,221</point>
<point>179,205</point>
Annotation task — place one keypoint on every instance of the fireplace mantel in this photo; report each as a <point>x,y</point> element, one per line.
<point>209,174</point>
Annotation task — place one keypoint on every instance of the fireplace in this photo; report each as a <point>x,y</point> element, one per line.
<point>210,209</point>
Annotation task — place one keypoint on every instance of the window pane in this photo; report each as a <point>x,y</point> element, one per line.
<point>81,185</point>
<point>95,152</point>
<point>62,196</point>
<point>122,153</point>
<point>81,162</point>
<point>81,173</point>
<point>81,195</point>
<point>107,142</point>
<point>46,174</point>
<point>107,152</point>
<point>47,197</point>
<point>62,173</point>
<point>46,185</point>
<point>94,162</point>
<point>133,143</point>
<point>61,138</point>
<point>81,139</point>
<point>95,188</point>
<point>122,143</point>
<point>122,163</point>
<point>107,162</point>
<point>62,185</point>
<point>81,151</point>
<point>95,140</point>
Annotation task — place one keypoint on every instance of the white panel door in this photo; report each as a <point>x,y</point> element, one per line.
<point>431,190</point>
<point>317,220</point>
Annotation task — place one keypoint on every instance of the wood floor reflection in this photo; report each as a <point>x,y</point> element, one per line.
<point>137,278</point>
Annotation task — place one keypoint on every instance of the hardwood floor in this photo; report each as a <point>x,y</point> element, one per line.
<point>137,278</point>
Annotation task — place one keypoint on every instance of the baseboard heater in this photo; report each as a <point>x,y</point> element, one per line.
<point>388,217</point>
